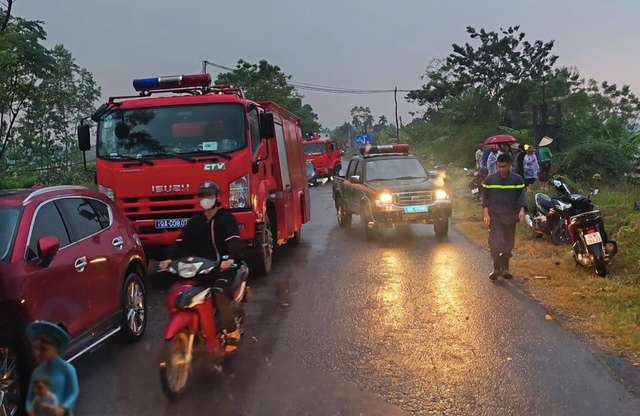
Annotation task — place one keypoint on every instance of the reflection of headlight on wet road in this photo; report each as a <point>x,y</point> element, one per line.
<point>441,194</point>
<point>384,199</point>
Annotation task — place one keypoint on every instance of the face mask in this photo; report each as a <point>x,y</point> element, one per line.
<point>207,203</point>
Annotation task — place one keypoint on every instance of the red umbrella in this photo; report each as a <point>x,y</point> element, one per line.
<point>499,139</point>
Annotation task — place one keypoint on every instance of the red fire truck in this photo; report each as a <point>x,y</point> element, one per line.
<point>324,154</point>
<point>155,148</point>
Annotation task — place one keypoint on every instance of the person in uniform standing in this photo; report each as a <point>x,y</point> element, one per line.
<point>505,203</point>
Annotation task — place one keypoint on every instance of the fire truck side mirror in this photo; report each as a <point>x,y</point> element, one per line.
<point>267,126</point>
<point>84,138</point>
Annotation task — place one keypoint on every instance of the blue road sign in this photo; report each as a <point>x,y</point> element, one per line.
<point>363,139</point>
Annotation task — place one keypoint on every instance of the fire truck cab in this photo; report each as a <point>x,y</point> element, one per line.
<point>324,154</point>
<point>154,149</point>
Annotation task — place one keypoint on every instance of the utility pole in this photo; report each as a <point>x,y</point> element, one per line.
<point>395,98</point>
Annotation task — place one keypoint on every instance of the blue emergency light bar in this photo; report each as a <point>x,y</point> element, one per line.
<point>389,148</point>
<point>171,82</point>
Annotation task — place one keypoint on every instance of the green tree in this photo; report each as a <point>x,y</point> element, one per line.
<point>266,82</point>
<point>23,62</point>
<point>362,118</point>
<point>64,96</point>
<point>501,61</point>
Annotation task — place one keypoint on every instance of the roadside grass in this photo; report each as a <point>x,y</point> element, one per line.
<point>606,310</point>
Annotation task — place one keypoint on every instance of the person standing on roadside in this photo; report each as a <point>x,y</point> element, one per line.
<point>544,159</point>
<point>505,203</point>
<point>479,153</point>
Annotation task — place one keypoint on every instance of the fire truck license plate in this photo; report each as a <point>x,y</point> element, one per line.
<point>593,238</point>
<point>175,223</point>
<point>416,208</point>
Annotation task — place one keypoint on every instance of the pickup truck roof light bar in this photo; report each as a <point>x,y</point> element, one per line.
<point>172,82</point>
<point>390,148</point>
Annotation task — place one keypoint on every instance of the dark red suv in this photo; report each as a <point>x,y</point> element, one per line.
<point>68,256</point>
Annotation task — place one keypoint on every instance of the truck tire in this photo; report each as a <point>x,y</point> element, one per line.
<point>344,218</point>
<point>370,233</point>
<point>441,227</point>
<point>265,253</point>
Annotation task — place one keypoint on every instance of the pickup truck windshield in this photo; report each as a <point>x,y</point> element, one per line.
<point>314,149</point>
<point>162,131</point>
<point>8,224</point>
<point>388,169</point>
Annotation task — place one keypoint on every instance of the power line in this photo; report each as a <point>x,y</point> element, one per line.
<point>314,87</point>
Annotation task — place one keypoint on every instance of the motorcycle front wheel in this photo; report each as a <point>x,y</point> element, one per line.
<point>175,365</point>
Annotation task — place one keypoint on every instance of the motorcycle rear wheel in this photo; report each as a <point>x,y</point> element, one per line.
<point>174,367</point>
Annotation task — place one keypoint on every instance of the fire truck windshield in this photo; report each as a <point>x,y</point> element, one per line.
<point>314,149</point>
<point>167,130</point>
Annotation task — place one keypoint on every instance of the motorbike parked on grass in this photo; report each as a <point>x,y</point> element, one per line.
<point>194,323</point>
<point>574,219</point>
<point>478,176</point>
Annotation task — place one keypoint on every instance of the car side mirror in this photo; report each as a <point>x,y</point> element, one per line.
<point>47,249</point>
<point>355,179</point>
<point>267,126</point>
<point>84,137</point>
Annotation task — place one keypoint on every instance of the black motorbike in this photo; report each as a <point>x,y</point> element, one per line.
<point>574,219</point>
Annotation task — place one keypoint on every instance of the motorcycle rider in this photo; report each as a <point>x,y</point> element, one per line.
<point>504,202</point>
<point>212,234</point>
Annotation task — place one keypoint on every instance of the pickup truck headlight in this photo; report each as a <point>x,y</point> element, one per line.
<point>385,198</point>
<point>239,193</point>
<point>441,194</point>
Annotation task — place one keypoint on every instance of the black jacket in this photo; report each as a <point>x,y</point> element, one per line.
<point>195,239</point>
<point>504,197</point>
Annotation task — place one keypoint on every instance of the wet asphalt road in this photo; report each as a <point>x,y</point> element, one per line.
<point>407,325</point>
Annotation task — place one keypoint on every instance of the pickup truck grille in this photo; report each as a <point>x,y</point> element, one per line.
<point>413,198</point>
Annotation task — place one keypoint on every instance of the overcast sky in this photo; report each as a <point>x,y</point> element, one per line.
<point>370,44</point>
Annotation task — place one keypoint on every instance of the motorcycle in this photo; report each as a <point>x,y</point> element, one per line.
<point>478,175</point>
<point>574,219</point>
<point>194,324</point>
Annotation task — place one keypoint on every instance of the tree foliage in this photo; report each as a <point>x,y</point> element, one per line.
<point>43,95</point>
<point>501,61</point>
<point>362,118</point>
<point>493,87</point>
<point>266,82</point>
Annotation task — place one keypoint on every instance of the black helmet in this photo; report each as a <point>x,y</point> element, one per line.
<point>208,187</point>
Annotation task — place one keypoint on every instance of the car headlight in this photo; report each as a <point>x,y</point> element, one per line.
<point>441,194</point>
<point>107,191</point>
<point>385,198</point>
<point>239,193</point>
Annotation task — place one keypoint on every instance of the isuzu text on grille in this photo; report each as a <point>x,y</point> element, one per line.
<point>169,188</point>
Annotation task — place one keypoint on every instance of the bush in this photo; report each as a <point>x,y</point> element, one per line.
<point>603,157</point>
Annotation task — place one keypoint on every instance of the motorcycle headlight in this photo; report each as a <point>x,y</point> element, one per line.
<point>239,193</point>
<point>188,270</point>
<point>385,198</point>
<point>441,194</point>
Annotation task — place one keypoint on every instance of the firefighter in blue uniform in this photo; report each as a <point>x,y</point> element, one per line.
<point>505,203</point>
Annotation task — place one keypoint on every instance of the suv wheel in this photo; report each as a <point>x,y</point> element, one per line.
<point>15,370</point>
<point>441,227</point>
<point>134,308</point>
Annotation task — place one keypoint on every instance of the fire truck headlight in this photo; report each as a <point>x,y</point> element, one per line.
<point>239,193</point>
<point>107,191</point>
